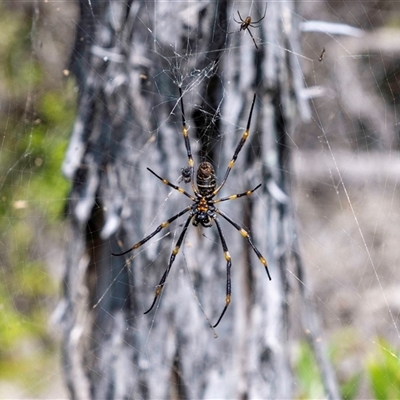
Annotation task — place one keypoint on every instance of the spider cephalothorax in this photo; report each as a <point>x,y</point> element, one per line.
<point>202,211</point>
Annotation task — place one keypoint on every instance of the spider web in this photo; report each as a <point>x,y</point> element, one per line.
<point>345,163</point>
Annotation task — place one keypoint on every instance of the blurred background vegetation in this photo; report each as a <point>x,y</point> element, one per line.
<point>37,108</point>
<point>36,116</point>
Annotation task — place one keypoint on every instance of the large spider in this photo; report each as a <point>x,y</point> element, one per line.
<point>203,211</point>
<point>247,23</point>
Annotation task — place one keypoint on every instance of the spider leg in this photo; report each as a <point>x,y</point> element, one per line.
<point>238,22</point>
<point>175,251</point>
<point>241,19</point>
<point>158,229</point>
<point>236,196</point>
<point>179,189</point>
<point>237,151</point>
<point>187,144</point>
<point>228,272</point>
<point>254,26</point>
<point>246,235</point>
<point>265,13</point>
<point>254,41</point>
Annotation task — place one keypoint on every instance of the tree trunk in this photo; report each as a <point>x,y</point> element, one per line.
<point>129,59</point>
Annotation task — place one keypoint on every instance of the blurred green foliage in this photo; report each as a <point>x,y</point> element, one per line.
<point>346,347</point>
<point>36,125</point>
<point>309,382</point>
<point>380,369</point>
<point>384,372</point>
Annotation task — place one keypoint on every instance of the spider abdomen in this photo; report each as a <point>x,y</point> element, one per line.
<point>245,24</point>
<point>206,182</point>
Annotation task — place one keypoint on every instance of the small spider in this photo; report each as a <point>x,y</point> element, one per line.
<point>246,24</point>
<point>185,175</point>
<point>322,55</point>
<point>203,211</point>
